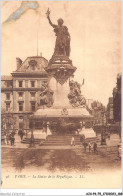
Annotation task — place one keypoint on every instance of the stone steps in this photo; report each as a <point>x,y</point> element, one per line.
<point>27,141</point>
<point>58,140</point>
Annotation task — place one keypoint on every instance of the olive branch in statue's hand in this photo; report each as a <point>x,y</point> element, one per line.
<point>48,13</point>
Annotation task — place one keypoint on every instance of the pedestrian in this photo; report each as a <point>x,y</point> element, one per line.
<point>32,143</point>
<point>119,151</point>
<point>9,136</point>
<point>12,139</point>
<point>7,139</point>
<point>89,145</point>
<point>85,146</point>
<point>21,134</point>
<point>72,141</point>
<point>82,138</point>
<point>95,147</point>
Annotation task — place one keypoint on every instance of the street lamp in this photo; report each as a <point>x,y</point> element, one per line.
<point>103,137</point>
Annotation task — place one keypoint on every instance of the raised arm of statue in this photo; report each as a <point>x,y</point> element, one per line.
<point>53,25</point>
<point>48,16</point>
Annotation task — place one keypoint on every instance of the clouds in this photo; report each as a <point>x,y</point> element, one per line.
<point>21,10</point>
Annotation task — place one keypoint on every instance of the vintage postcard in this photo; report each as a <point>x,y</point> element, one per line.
<point>61,95</point>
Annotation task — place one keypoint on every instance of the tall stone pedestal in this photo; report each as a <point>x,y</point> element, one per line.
<point>60,69</point>
<point>60,95</point>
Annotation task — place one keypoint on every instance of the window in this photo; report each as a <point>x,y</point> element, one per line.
<point>32,83</point>
<point>20,125</point>
<point>32,94</point>
<point>20,106</point>
<point>33,67</point>
<point>33,106</point>
<point>20,83</point>
<point>20,95</point>
<point>8,83</point>
<point>7,96</point>
<point>32,64</point>
<point>7,106</point>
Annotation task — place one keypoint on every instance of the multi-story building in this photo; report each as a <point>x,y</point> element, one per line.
<point>20,92</point>
<point>117,100</point>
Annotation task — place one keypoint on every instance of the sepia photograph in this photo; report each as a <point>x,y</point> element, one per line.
<point>61,95</point>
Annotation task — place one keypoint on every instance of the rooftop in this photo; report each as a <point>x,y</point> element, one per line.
<point>33,63</point>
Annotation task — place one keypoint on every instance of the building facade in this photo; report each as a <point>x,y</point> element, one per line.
<point>114,103</point>
<point>21,90</point>
<point>117,100</point>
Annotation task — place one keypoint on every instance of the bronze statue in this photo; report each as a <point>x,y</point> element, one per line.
<point>62,46</point>
<point>46,96</point>
<point>75,97</point>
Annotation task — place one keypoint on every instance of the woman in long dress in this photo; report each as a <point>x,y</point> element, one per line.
<point>62,45</point>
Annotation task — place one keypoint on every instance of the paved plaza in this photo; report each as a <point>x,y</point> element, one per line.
<point>21,156</point>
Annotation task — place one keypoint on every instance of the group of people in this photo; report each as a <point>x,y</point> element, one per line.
<point>9,138</point>
<point>90,147</point>
<point>85,144</point>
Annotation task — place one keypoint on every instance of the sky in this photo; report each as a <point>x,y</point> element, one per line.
<point>95,30</point>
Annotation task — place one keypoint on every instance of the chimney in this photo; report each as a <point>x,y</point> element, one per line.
<point>18,62</point>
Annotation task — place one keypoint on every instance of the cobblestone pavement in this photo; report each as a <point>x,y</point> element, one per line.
<point>60,159</point>
<point>64,158</point>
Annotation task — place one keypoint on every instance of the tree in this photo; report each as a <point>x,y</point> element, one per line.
<point>97,109</point>
<point>8,122</point>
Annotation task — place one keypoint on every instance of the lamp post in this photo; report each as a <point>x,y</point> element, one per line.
<point>32,142</point>
<point>81,125</point>
<point>103,138</point>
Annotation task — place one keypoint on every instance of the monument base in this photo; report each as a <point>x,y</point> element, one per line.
<point>38,134</point>
<point>88,133</point>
